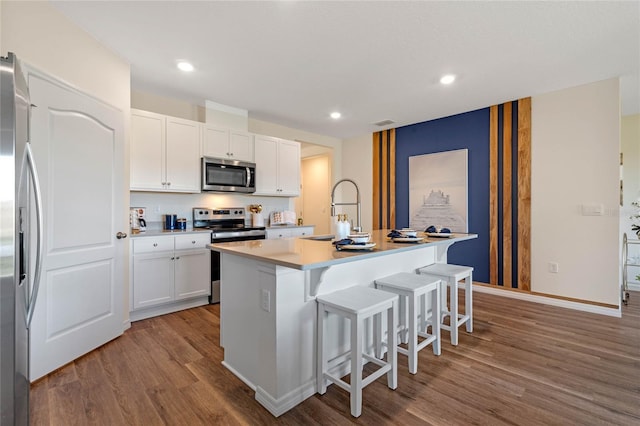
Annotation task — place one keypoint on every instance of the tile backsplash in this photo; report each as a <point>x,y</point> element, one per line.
<point>161,203</point>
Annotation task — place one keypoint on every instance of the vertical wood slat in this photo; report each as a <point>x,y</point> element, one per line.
<point>376,181</point>
<point>524,194</point>
<point>384,176</point>
<point>384,179</point>
<point>392,179</point>
<point>493,195</point>
<point>507,209</point>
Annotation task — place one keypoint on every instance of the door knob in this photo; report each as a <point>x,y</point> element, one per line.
<point>121,235</point>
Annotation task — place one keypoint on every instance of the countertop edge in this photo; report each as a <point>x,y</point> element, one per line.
<point>330,262</point>
<point>162,233</point>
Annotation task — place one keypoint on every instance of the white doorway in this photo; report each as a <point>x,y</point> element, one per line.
<point>314,203</point>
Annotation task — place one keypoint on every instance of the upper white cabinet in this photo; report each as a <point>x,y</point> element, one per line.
<point>277,166</point>
<point>165,153</point>
<point>220,142</point>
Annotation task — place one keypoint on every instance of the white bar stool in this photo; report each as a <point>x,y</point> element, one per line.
<point>357,304</point>
<point>451,275</point>
<point>413,290</point>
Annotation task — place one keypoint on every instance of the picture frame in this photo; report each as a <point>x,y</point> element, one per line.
<point>438,191</point>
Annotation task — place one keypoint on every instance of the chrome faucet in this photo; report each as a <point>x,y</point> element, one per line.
<point>358,226</point>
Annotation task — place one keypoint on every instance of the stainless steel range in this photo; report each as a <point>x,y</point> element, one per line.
<point>226,224</point>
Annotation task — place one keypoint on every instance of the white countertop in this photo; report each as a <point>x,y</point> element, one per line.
<point>289,226</point>
<point>305,253</point>
<point>163,232</point>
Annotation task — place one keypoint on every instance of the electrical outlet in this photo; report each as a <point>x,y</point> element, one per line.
<point>553,267</point>
<point>265,300</point>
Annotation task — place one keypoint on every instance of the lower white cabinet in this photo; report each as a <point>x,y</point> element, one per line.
<point>299,231</point>
<point>168,269</point>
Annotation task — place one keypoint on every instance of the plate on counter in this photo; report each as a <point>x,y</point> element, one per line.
<point>439,234</point>
<point>367,246</point>
<point>407,239</point>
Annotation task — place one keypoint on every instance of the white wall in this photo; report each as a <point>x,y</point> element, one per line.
<point>47,40</point>
<point>358,165</point>
<point>630,145</point>
<point>167,106</point>
<point>575,161</point>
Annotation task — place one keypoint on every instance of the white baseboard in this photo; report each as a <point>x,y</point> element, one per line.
<point>168,308</point>
<point>285,403</point>
<point>586,307</point>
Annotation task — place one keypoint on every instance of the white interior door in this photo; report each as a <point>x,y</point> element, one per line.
<point>78,145</point>
<point>316,190</point>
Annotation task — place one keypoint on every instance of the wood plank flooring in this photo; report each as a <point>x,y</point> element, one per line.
<point>524,364</point>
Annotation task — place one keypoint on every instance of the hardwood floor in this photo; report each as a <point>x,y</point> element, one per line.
<point>524,364</point>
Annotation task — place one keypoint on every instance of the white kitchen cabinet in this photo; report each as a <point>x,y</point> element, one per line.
<point>170,268</point>
<point>165,153</point>
<point>220,142</point>
<point>192,271</point>
<point>277,166</point>
<point>299,231</point>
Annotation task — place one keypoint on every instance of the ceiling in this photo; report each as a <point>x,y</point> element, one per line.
<point>294,62</point>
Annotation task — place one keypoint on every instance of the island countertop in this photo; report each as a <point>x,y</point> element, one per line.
<point>308,253</point>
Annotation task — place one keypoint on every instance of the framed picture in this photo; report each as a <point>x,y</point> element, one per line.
<point>438,191</point>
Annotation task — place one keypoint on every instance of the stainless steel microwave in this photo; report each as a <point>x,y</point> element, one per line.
<point>222,175</point>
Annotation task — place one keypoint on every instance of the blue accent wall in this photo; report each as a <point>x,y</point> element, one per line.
<point>463,131</point>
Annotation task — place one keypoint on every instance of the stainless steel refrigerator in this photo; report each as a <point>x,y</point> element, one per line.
<point>20,242</point>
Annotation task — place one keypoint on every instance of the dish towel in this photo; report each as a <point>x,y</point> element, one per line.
<point>346,242</point>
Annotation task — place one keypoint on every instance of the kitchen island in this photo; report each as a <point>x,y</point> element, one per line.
<point>268,308</point>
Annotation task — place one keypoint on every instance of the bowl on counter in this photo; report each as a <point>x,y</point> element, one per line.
<point>359,237</point>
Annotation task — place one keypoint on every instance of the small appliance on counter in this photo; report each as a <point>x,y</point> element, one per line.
<point>137,219</point>
<point>170,222</point>
<point>182,224</point>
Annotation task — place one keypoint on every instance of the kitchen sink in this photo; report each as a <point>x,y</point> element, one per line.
<point>326,237</point>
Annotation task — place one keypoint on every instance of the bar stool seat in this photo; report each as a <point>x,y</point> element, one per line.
<point>451,275</point>
<point>413,290</point>
<point>356,303</point>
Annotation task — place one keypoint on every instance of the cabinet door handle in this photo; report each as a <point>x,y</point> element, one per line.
<point>193,242</point>
<point>177,257</point>
<point>173,258</point>
<point>155,244</point>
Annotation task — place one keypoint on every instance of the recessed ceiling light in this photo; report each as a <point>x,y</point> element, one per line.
<point>185,66</point>
<point>335,115</point>
<point>447,79</point>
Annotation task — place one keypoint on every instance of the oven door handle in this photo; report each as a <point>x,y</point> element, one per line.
<point>248,177</point>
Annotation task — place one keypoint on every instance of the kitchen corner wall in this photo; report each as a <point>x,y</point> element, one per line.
<point>576,162</point>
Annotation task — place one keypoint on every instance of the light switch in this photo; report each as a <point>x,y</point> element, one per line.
<point>592,210</point>
<point>265,300</point>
